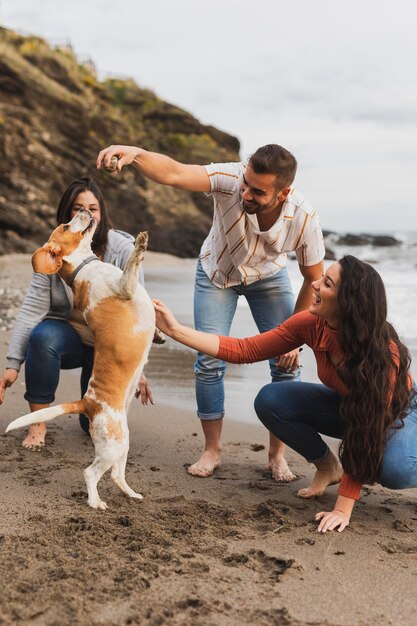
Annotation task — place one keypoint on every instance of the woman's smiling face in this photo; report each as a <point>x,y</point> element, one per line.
<point>86,200</point>
<point>325,296</point>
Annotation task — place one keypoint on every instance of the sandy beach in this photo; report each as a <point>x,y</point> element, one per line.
<point>236,548</point>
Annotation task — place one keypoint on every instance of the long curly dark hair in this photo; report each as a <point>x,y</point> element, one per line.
<point>63,214</point>
<point>376,370</point>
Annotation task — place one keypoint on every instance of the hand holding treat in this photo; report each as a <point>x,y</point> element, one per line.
<point>114,158</point>
<point>112,166</point>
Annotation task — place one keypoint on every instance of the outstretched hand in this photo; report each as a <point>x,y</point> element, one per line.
<point>288,362</point>
<point>332,520</point>
<point>165,319</point>
<point>6,381</point>
<point>124,154</point>
<point>144,391</point>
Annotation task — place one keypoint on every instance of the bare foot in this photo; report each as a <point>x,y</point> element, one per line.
<point>280,470</point>
<point>35,438</point>
<point>329,472</point>
<point>206,465</point>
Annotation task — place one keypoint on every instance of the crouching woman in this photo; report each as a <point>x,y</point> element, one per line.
<point>367,397</point>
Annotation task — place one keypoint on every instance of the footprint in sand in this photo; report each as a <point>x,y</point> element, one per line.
<point>274,566</point>
<point>304,541</point>
<point>403,526</point>
<point>398,548</point>
<point>261,485</point>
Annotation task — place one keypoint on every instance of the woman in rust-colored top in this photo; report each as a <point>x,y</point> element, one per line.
<point>367,398</point>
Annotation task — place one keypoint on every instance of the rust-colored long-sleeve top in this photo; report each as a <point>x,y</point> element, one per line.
<point>301,328</point>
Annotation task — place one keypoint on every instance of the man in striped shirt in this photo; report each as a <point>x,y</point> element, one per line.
<point>258,218</point>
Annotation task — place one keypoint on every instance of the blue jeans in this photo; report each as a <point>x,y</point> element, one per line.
<point>298,415</point>
<point>271,302</point>
<point>54,345</point>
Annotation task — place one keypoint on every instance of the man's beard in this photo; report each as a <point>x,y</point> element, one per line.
<point>250,207</point>
<point>254,207</point>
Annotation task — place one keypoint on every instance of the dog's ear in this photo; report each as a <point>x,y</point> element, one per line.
<point>47,260</point>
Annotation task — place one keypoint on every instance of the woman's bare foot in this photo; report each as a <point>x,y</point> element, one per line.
<point>206,465</point>
<point>329,472</point>
<point>276,461</point>
<point>35,438</point>
<point>280,470</point>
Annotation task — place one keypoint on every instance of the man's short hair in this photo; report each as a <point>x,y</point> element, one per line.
<point>274,159</point>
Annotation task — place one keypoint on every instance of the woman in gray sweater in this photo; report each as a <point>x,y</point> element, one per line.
<point>50,333</point>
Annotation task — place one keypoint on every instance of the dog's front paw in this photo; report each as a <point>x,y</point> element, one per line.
<point>141,242</point>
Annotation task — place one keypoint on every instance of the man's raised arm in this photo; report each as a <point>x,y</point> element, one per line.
<point>157,167</point>
<point>310,274</point>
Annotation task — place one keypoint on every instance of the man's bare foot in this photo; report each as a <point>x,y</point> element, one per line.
<point>280,470</point>
<point>206,465</point>
<point>35,438</point>
<point>329,472</point>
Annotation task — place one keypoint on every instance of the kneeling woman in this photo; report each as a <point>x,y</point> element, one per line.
<point>50,333</point>
<point>367,398</point>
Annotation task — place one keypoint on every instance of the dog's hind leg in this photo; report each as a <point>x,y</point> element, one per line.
<point>118,475</point>
<point>130,275</point>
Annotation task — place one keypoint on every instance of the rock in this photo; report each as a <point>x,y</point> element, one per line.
<point>384,240</point>
<point>55,116</point>
<point>353,240</point>
<point>330,255</point>
<point>366,239</point>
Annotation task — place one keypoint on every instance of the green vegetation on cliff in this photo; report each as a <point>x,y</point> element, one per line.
<point>54,118</point>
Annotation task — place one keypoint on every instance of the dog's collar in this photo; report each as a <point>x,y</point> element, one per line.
<point>72,276</point>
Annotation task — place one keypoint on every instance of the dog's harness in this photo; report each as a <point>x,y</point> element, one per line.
<point>72,276</point>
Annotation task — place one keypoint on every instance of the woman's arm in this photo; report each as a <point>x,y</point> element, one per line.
<point>34,308</point>
<point>9,377</point>
<point>250,350</point>
<point>166,322</point>
<point>338,518</point>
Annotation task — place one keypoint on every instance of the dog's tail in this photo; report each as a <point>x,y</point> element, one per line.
<point>46,415</point>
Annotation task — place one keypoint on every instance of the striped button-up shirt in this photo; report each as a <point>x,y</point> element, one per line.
<point>236,251</point>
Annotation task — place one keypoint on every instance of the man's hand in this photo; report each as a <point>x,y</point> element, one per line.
<point>6,381</point>
<point>144,391</point>
<point>125,155</point>
<point>332,520</point>
<point>310,274</point>
<point>288,362</point>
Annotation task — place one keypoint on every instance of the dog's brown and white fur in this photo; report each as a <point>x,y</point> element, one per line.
<point>122,319</point>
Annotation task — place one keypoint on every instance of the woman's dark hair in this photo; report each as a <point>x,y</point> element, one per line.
<point>63,214</point>
<point>376,370</point>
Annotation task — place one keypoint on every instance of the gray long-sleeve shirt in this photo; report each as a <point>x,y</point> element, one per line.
<point>49,297</point>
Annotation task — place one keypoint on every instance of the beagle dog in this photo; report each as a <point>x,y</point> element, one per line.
<point>121,316</point>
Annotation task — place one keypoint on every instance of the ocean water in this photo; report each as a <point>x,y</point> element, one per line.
<point>397,266</point>
<point>170,367</point>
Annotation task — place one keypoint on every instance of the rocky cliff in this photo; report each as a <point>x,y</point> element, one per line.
<point>55,115</point>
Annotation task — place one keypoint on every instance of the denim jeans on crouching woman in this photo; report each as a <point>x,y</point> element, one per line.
<point>271,302</point>
<point>54,345</point>
<point>298,415</point>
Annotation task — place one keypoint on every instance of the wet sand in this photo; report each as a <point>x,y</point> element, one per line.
<point>236,548</point>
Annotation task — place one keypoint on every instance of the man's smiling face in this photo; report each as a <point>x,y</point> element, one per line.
<point>259,192</point>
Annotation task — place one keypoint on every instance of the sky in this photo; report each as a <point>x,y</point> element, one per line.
<point>334,81</point>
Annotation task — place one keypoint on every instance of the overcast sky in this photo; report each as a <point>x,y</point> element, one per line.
<point>334,81</point>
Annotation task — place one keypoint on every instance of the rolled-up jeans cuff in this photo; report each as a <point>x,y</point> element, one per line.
<point>38,399</point>
<point>210,417</point>
<point>320,458</point>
